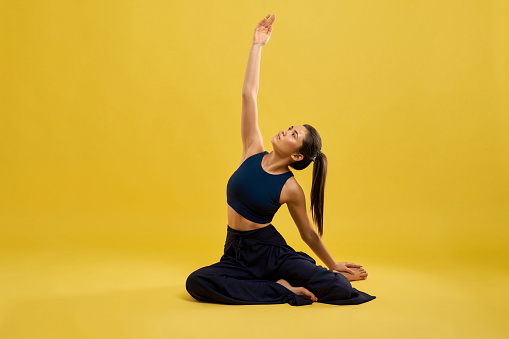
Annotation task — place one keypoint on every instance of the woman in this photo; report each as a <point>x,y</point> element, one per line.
<point>258,267</point>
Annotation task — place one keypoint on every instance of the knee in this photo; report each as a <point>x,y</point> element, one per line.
<point>338,288</point>
<point>195,285</point>
<point>193,282</point>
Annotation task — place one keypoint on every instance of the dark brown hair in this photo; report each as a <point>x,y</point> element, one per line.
<point>311,150</point>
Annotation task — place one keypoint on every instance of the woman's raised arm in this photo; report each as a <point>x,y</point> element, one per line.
<point>251,136</point>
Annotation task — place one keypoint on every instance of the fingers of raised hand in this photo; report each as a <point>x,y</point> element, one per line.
<point>264,20</point>
<point>271,20</point>
<point>268,20</point>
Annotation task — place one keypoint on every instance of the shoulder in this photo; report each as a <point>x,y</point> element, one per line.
<point>292,192</point>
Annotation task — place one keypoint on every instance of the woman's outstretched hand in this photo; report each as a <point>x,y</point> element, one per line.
<point>263,30</point>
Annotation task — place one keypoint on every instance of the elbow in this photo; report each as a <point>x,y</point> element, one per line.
<point>249,94</point>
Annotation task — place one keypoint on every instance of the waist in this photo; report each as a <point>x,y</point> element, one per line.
<point>240,223</point>
<point>248,232</point>
<point>266,235</point>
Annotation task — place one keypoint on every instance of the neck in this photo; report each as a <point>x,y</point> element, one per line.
<point>274,163</point>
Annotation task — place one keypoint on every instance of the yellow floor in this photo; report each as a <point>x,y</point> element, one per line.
<point>93,293</point>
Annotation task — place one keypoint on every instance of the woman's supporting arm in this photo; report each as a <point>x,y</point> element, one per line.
<point>294,197</point>
<point>297,207</point>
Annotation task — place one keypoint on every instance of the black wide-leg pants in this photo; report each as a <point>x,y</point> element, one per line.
<point>252,263</point>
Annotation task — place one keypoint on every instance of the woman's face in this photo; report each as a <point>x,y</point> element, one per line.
<point>287,141</point>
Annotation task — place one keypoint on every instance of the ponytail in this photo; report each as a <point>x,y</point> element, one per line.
<point>318,189</point>
<point>311,150</point>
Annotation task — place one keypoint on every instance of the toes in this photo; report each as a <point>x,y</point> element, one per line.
<point>307,294</point>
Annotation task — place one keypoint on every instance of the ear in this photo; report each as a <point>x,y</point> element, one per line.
<point>297,157</point>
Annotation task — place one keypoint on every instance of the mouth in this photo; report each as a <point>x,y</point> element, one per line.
<point>278,136</point>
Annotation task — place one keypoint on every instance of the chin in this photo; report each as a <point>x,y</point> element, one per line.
<point>272,142</point>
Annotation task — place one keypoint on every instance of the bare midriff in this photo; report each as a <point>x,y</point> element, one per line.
<point>239,223</point>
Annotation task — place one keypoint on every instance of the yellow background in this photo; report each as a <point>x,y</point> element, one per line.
<point>120,126</point>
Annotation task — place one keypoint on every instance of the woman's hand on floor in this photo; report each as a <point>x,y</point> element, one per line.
<point>344,267</point>
<point>350,270</point>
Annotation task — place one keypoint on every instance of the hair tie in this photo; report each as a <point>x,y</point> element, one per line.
<point>317,154</point>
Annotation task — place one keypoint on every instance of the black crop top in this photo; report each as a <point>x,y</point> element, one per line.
<point>254,193</point>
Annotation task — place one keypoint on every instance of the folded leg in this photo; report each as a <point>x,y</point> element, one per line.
<point>227,282</point>
<point>329,287</point>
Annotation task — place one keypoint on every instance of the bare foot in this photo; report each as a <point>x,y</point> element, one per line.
<point>359,273</point>
<point>302,291</point>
